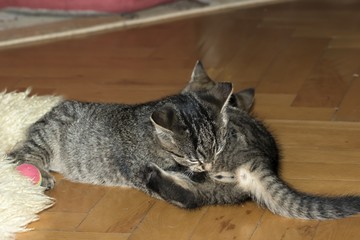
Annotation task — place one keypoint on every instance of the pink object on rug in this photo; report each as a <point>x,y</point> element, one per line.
<point>31,172</point>
<point>111,6</point>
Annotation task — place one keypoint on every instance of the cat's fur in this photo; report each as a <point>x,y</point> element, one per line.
<point>246,168</point>
<point>111,144</point>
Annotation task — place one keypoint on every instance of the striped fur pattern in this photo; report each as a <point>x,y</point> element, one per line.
<point>110,144</point>
<point>247,168</point>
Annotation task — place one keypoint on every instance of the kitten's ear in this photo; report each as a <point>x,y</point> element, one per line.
<point>219,95</point>
<point>166,125</point>
<point>243,99</point>
<point>199,81</point>
<point>165,120</point>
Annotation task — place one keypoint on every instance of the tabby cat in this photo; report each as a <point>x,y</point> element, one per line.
<point>246,168</point>
<point>111,144</point>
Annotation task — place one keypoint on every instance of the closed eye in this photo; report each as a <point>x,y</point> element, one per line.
<point>195,161</point>
<point>200,161</point>
<point>176,154</point>
<point>182,159</point>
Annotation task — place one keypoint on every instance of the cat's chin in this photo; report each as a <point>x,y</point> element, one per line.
<point>206,167</point>
<point>197,169</point>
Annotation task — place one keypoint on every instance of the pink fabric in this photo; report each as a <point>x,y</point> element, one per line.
<point>114,6</point>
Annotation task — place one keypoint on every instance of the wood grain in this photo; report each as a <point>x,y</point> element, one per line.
<point>349,107</point>
<point>120,210</point>
<point>241,221</point>
<point>273,227</point>
<point>340,229</point>
<point>165,221</point>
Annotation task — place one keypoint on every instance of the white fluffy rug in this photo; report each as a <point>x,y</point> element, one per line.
<point>20,200</point>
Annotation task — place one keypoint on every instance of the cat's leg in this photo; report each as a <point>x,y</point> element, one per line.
<point>36,150</point>
<point>197,190</point>
<point>25,155</point>
<point>173,187</point>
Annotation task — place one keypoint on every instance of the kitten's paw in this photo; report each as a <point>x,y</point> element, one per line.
<point>151,169</point>
<point>171,188</point>
<point>48,181</point>
<point>153,177</point>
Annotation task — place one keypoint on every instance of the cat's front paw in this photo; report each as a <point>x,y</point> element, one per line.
<point>153,176</point>
<point>48,181</point>
<point>172,188</point>
<point>151,169</point>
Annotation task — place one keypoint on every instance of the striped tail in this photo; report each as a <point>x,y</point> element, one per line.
<point>268,189</point>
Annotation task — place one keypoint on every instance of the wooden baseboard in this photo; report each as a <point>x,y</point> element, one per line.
<point>75,27</point>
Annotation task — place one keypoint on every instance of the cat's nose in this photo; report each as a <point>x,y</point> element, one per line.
<point>207,166</point>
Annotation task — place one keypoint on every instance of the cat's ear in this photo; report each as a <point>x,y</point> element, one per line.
<point>219,95</point>
<point>199,81</point>
<point>243,99</point>
<point>167,125</point>
<point>166,120</point>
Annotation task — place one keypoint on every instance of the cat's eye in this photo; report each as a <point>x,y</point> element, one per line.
<point>177,155</point>
<point>192,160</point>
<point>184,160</point>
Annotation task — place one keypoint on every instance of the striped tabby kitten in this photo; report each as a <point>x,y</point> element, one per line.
<point>111,144</point>
<point>246,168</point>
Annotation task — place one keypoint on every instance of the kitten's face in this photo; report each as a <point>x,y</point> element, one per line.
<point>200,139</point>
<point>193,129</point>
<point>204,137</point>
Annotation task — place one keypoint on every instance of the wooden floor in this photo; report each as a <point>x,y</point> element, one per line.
<point>303,58</point>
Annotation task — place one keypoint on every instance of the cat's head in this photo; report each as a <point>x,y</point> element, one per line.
<point>200,81</point>
<point>193,128</point>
